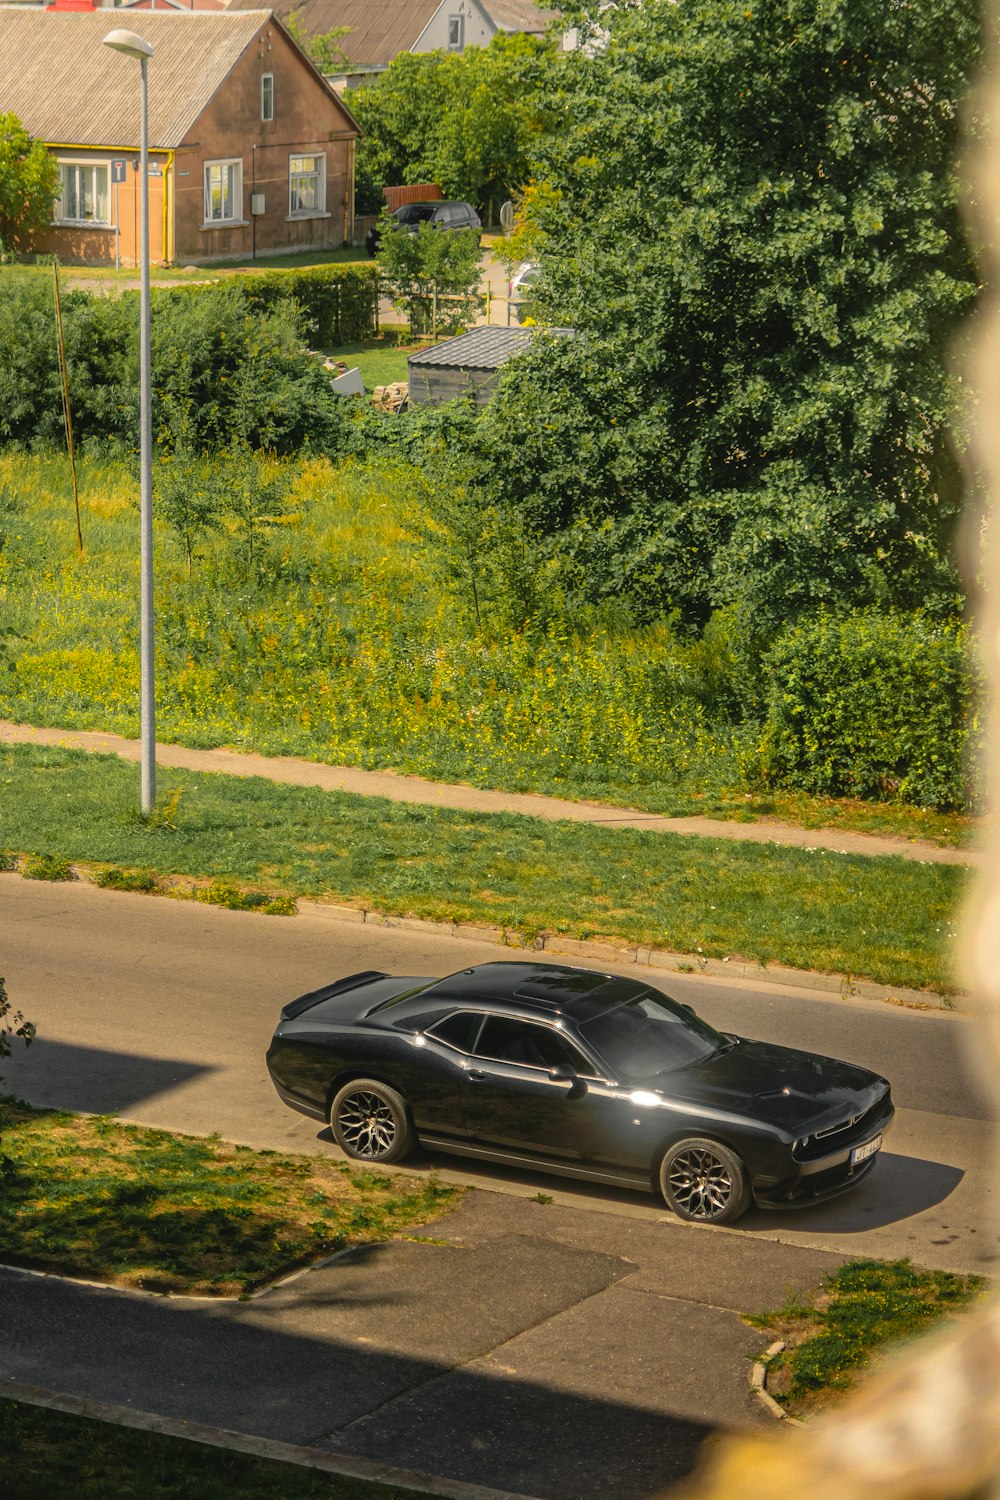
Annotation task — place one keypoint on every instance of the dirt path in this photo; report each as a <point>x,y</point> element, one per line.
<point>294,772</point>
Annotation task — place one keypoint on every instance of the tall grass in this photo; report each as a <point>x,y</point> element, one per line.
<point>340,644</point>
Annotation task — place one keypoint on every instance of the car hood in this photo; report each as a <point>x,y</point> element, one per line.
<point>797,1091</point>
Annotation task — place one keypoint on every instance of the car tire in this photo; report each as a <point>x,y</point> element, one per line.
<point>370,1121</point>
<point>704,1182</point>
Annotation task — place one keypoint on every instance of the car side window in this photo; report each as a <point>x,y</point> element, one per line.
<point>506,1039</point>
<point>457,1030</point>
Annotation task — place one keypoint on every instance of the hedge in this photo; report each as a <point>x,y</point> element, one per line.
<point>339,303</point>
<point>873,704</point>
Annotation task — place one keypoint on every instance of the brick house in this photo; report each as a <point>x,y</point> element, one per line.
<point>250,150</point>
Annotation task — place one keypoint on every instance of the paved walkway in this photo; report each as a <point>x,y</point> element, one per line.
<point>396,788</point>
<point>526,1347</point>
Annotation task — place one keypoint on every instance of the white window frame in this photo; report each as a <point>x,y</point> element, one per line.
<point>79,164</point>
<point>236,216</point>
<point>456,24</point>
<point>266,113</point>
<point>318,174</point>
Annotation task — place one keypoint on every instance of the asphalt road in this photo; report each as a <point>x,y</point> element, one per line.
<point>161,1010</point>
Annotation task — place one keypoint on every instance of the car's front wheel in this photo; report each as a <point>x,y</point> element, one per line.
<point>370,1121</point>
<point>705,1182</point>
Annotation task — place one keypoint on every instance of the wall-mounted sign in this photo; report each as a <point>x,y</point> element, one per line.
<point>119,167</point>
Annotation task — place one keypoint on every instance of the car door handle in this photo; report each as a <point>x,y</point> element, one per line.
<point>475,1076</point>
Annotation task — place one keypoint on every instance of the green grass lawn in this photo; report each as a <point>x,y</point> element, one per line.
<point>135,1207</point>
<point>883,919</point>
<point>50,1455</point>
<point>381,362</point>
<point>861,1310</point>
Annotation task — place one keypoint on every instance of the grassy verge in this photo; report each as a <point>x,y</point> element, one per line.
<point>49,1453</point>
<point>349,646</point>
<point>884,919</point>
<point>102,278</point>
<point>145,1208</point>
<point>861,1310</point>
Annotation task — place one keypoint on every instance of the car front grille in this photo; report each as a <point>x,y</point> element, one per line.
<point>855,1128</point>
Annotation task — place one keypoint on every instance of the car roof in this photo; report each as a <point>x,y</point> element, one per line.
<point>535,988</point>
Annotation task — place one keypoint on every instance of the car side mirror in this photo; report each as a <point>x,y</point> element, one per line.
<point>563,1073</point>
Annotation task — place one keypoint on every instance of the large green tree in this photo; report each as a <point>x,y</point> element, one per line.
<point>466,121</point>
<point>753,229</point>
<point>28,181</point>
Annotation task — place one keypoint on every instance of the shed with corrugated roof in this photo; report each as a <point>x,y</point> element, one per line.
<point>470,364</point>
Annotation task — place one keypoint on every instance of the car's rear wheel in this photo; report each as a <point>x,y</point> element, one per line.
<point>705,1182</point>
<point>370,1121</point>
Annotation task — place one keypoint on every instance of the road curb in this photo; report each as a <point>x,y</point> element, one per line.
<point>758,1384</point>
<point>596,950</point>
<point>347,1467</point>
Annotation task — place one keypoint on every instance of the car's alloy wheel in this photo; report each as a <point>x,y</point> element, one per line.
<point>370,1121</point>
<point>705,1182</point>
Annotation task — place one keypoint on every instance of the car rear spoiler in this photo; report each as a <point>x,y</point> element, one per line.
<point>352,982</point>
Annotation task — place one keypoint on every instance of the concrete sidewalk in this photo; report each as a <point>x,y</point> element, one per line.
<point>528,1347</point>
<point>396,788</point>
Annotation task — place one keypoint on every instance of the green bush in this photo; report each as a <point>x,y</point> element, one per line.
<point>872,704</point>
<point>228,365</point>
<point>339,303</point>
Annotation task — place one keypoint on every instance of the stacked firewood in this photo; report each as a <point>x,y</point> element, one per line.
<point>393,397</point>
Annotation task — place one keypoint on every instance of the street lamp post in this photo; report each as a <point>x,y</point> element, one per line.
<point>135,46</point>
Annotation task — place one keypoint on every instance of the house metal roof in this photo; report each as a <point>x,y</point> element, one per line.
<point>68,89</point>
<point>519,15</point>
<point>376,32</point>
<point>483,348</point>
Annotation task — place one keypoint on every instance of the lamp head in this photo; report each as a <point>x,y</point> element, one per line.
<point>129,43</point>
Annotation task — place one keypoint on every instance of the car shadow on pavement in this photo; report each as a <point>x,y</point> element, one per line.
<point>898,1188</point>
<point>63,1075</point>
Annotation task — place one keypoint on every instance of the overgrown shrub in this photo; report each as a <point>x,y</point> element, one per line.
<point>872,704</point>
<point>227,367</point>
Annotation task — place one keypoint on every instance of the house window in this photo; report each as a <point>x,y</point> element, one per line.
<point>83,193</point>
<point>306,184</point>
<point>223,192</point>
<point>267,97</point>
<point>456,33</point>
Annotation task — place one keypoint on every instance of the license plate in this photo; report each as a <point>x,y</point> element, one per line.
<point>862,1153</point>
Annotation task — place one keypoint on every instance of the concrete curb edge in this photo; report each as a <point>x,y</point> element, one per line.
<point>595,950</point>
<point>347,1466</point>
<point>758,1384</point>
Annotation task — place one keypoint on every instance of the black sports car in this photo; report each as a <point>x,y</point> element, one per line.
<point>585,1074</point>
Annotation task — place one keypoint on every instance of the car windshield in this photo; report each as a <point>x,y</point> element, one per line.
<point>650,1034</point>
<point>413,213</point>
